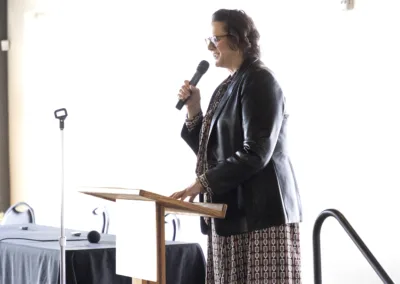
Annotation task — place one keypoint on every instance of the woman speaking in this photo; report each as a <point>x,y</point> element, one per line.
<point>243,161</point>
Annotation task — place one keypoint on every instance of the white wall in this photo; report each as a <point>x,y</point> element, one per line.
<point>117,65</point>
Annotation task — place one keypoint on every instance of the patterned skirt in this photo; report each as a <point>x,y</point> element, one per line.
<point>269,256</point>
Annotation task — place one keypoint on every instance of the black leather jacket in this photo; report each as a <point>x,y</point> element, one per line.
<point>251,171</point>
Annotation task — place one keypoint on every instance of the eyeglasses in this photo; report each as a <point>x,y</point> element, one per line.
<point>214,39</point>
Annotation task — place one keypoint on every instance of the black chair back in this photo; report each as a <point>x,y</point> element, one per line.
<point>172,227</point>
<point>20,213</point>
<point>106,218</point>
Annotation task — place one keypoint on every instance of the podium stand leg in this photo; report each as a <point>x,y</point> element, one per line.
<point>161,273</point>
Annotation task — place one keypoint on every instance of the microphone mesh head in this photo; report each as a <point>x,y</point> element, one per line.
<point>203,67</point>
<point>93,237</point>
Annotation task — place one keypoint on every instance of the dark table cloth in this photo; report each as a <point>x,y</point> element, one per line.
<point>32,257</point>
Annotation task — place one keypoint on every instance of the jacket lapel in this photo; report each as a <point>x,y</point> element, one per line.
<point>234,84</point>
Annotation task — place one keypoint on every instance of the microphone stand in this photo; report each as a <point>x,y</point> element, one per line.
<point>62,114</point>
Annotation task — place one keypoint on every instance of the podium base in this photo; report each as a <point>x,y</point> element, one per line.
<point>139,281</point>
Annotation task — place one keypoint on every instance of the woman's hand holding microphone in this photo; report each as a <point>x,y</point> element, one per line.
<point>193,95</point>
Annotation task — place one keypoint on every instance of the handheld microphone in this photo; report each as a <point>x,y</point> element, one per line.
<point>201,70</point>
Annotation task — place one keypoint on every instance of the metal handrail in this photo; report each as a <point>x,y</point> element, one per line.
<point>353,235</point>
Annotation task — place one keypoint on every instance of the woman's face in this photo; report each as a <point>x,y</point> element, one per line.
<point>218,44</point>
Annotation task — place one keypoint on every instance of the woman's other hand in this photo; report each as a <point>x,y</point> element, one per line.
<point>191,191</point>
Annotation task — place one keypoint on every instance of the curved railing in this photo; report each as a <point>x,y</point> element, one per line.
<point>353,235</point>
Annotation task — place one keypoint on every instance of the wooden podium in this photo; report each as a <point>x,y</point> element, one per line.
<point>140,235</point>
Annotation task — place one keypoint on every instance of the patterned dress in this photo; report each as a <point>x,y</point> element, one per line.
<point>268,256</point>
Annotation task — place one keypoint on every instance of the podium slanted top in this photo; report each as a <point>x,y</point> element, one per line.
<point>171,205</point>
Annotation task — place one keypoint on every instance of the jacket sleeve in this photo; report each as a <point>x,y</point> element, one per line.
<point>191,132</point>
<point>262,111</point>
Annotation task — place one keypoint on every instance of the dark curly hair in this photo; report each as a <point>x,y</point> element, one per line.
<point>242,32</point>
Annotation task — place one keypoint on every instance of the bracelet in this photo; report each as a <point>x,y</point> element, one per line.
<point>204,183</point>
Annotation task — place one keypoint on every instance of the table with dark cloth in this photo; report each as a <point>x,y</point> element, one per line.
<point>36,261</point>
